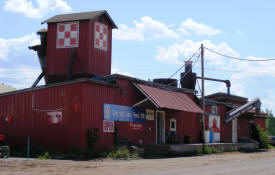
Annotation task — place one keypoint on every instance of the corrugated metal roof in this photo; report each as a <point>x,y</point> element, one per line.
<point>79,16</point>
<point>169,99</point>
<point>234,113</point>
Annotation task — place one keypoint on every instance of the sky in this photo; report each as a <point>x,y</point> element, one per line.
<point>154,38</point>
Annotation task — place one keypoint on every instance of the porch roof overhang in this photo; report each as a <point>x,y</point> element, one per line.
<point>234,113</point>
<point>166,99</point>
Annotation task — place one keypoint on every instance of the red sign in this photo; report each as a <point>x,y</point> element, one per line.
<point>108,126</point>
<point>67,35</point>
<point>135,126</point>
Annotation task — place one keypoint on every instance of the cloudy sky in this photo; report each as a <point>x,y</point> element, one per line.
<point>154,38</point>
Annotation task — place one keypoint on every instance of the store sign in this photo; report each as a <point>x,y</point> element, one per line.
<point>54,117</point>
<point>135,126</point>
<point>108,126</point>
<point>150,114</point>
<point>122,113</point>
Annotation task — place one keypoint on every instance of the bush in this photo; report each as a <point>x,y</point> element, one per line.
<point>260,136</point>
<point>123,152</point>
<point>45,156</point>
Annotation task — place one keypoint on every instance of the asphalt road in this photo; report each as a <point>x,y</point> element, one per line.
<point>261,163</point>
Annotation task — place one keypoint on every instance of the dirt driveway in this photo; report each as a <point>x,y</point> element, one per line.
<point>226,163</point>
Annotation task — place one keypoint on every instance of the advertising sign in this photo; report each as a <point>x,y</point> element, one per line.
<point>54,117</point>
<point>214,125</point>
<point>135,126</point>
<point>150,114</point>
<point>108,126</point>
<point>123,113</point>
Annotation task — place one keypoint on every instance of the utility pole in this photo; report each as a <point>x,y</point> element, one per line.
<point>202,93</point>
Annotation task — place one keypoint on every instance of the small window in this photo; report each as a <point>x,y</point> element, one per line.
<point>214,110</point>
<point>173,125</point>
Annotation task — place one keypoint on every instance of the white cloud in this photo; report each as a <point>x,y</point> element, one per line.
<point>27,7</point>
<point>12,45</point>
<point>197,28</point>
<point>115,70</point>
<point>21,76</point>
<point>179,52</point>
<point>146,29</point>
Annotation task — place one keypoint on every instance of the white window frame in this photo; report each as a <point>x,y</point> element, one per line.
<point>212,107</point>
<point>173,120</point>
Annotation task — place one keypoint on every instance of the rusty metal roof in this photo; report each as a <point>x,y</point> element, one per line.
<point>162,98</point>
<point>79,16</point>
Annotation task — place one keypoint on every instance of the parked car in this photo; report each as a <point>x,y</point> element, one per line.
<point>272,140</point>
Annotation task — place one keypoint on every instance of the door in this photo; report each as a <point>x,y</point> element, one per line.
<point>160,127</point>
<point>234,130</point>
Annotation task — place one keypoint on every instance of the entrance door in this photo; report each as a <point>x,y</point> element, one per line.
<point>160,127</point>
<point>234,130</point>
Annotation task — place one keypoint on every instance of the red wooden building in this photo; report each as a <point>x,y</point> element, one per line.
<point>80,94</point>
<point>231,117</point>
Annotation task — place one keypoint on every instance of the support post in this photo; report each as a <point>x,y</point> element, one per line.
<point>202,93</point>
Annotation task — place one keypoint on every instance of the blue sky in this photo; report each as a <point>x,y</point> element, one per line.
<point>154,38</point>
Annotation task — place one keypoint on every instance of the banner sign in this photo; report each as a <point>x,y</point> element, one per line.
<point>150,114</point>
<point>54,117</point>
<point>108,126</point>
<point>135,126</point>
<point>214,123</point>
<point>122,113</point>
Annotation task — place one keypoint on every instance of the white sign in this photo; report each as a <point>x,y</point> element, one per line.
<point>54,117</point>
<point>150,113</point>
<point>67,35</point>
<point>101,36</point>
<point>108,126</point>
<point>215,126</point>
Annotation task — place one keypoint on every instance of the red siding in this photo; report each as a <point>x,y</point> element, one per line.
<point>30,122</point>
<point>88,60</point>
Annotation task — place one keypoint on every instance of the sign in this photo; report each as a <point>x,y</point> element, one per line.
<point>122,113</point>
<point>135,126</point>
<point>101,36</point>
<point>67,35</point>
<point>150,113</point>
<point>108,126</point>
<point>214,125</point>
<point>54,117</point>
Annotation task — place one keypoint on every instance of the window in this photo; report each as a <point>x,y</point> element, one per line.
<point>173,125</point>
<point>214,110</point>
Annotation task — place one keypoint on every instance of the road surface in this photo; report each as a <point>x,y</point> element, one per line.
<point>261,163</point>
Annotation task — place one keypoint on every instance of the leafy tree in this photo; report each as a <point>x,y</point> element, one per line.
<point>270,123</point>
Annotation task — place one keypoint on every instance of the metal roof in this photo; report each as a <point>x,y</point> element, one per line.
<point>234,113</point>
<point>162,98</point>
<point>150,83</point>
<point>226,96</point>
<point>79,16</point>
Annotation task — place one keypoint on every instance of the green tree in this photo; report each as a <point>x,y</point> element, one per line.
<point>270,123</point>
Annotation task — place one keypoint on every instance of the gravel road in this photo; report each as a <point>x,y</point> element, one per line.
<point>225,164</point>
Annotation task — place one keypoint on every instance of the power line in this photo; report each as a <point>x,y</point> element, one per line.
<point>237,71</point>
<point>186,73</point>
<point>237,58</point>
<point>184,64</point>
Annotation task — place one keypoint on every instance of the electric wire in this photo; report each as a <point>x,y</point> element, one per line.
<point>237,58</point>
<point>184,64</point>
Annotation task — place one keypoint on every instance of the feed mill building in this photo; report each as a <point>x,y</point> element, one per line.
<point>81,94</point>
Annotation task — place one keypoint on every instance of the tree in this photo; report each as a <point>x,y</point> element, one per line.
<point>270,123</point>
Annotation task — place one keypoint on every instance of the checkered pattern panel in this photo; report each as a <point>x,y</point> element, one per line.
<point>67,35</point>
<point>101,36</point>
